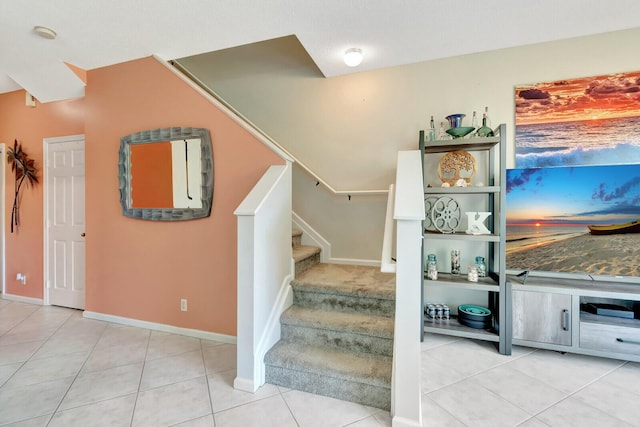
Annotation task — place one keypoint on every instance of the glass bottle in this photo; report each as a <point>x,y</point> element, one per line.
<point>442,134</point>
<point>455,261</point>
<point>482,266</point>
<point>474,124</point>
<point>432,130</point>
<point>484,130</point>
<point>486,114</point>
<point>432,267</point>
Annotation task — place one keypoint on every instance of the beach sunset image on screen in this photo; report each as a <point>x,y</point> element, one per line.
<point>550,211</point>
<point>582,121</point>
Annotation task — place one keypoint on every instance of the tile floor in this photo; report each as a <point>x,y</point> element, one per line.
<point>59,369</point>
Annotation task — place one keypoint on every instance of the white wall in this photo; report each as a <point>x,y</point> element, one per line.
<point>348,129</point>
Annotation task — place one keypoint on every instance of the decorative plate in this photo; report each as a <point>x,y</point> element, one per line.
<point>445,215</point>
<point>429,201</point>
<point>455,165</point>
<point>474,309</point>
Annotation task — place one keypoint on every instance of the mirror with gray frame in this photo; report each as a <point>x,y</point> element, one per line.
<point>166,174</point>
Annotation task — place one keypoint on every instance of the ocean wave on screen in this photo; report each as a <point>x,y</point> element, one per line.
<point>622,153</point>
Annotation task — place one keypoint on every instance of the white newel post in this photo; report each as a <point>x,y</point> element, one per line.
<point>408,214</point>
<point>264,272</point>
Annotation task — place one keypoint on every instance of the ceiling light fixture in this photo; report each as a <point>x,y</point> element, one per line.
<point>353,57</point>
<point>44,32</point>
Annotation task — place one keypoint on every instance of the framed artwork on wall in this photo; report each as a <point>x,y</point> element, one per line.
<point>582,121</point>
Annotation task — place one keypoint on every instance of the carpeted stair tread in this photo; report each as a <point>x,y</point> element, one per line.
<point>342,279</point>
<point>370,325</point>
<point>361,368</point>
<point>302,252</point>
<point>296,232</point>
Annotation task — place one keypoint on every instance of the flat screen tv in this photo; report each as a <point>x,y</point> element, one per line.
<point>578,220</point>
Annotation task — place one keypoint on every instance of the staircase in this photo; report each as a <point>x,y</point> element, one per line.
<point>337,337</point>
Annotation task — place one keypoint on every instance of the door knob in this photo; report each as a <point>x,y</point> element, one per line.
<point>82,234</point>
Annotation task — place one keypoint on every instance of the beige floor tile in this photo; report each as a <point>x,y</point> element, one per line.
<point>626,376</point>
<point>14,353</point>
<point>605,395</point>
<point>469,357</point>
<point>48,369</point>
<point>6,371</point>
<point>31,422</point>
<point>206,421</point>
<point>224,396</point>
<point>476,406</point>
<point>268,412</point>
<point>572,412</point>
<point>219,358</point>
<point>103,385</point>
<point>172,369</point>
<point>31,401</point>
<point>123,335</point>
<point>312,410</point>
<point>113,413</point>
<point>172,404</point>
<point>436,340</point>
<point>565,372</point>
<point>522,390</point>
<point>111,356</point>
<point>533,422</point>
<point>434,415</point>
<point>435,374</point>
<point>162,344</point>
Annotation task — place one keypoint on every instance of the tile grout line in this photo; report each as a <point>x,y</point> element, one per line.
<point>206,380</point>
<point>76,376</point>
<point>144,362</point>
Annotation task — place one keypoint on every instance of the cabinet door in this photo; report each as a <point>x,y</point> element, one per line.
<point>542,317</point>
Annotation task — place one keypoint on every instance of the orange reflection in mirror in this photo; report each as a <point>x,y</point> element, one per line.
<point>151,175</point>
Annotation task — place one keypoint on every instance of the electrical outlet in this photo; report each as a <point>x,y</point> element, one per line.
<point>21,277</point>
<point>183,304</point>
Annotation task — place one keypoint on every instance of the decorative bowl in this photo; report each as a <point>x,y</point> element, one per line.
<point>459,132</point>
<point>455,120</point>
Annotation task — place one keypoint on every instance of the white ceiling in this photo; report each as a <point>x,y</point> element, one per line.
<point>97,33</point>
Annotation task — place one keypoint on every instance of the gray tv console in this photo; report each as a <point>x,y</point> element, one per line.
<point>547,314</point>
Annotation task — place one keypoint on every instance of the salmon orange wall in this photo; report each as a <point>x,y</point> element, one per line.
<point>24,248</point>
<point>141,269</point>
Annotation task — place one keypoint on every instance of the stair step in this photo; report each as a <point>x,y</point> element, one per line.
<point>350,288</point>
<point>303,252</point>
<point>305,257</point>
<point>348,331</point>
<point>356,377</point>
<point>296,237</point>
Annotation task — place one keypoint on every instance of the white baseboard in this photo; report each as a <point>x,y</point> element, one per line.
<point>353,261</point>
<point>405,422</point>
<point>309,233</point>
<point>244,384</point>
<point>195,333</point>
<point>325,254</point>
<point>271,333</point>
<point>18,298</point>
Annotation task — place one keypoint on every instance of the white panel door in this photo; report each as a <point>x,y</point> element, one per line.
<point>65,221</point>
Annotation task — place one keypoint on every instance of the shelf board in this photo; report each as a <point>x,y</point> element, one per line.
<point>586,317</point>
<point>458,281</point>
<point>454,328</point>
<point>470,144</point>
<point>462,190</point>
<point>460,235</point>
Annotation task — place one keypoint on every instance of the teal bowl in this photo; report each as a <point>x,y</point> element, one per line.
<point>461,131</point>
